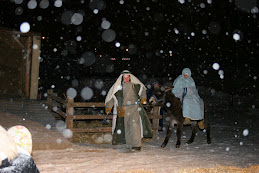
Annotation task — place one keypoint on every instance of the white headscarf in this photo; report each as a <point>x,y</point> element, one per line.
<point>118,86</point>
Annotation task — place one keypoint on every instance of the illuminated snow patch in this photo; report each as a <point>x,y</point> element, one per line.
<point>176,31</point>
<point>245,132</point>
<point>78,38</point>
<point>96,11</point>
<point>236,36</point>
<point>99,140</point>
<point>202,5</point>
<point>103,93</point>
<point>32,4</point>
<point>86,93</point>
<point>181,1</point>
<point>204,32</point>
<point>108,35</point>
<point>107,138</point>
<point>44,4</point>
<point>117,44</point>
<point>98,84</point>
<point>59,141</point>
<point>71,93</point>
<point>25,27</point>
<point>67,133</point>
<point>221,72</point>
<point>18,11</point>
<point>18,1</point>
<point>35,46</point>
<point>118,131</point>
<point>48,126</point>
<point>119,87</point>
<point>75,83</point>
<point>55,108</point>
<point>60,125</point>
<point>77,19</point>
<point>105,24</point>
<point>58,3</point>
<point>209,1</point>
<point>215,66</point>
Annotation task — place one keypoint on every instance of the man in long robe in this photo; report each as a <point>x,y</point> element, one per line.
<point>130,121</point>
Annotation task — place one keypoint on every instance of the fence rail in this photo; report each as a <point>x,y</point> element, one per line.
<point>69,109</point>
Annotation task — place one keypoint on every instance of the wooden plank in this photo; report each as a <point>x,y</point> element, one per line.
<point>35,68</point>
<point>69,112</point>
<point>58,99</point>
<point>87,104</point>
<point>28,68</point>
<point>91,117</point>
<point>59,112</point>
<point>151,116</point>
<point>94,130</point>
<point>155,122</point>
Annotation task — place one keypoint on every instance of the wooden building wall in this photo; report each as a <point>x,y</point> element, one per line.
<point>19,63</point>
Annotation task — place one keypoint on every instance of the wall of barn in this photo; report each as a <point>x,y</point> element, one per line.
<point>11,70</point>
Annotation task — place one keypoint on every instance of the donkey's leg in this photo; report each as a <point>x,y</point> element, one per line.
<point>170,128</point>
<point>194,131</point>
<point>179,134</point>
<point>207,127</point>
<point>206,123</point>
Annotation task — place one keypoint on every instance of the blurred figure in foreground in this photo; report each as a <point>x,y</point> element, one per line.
<point>15,150</point>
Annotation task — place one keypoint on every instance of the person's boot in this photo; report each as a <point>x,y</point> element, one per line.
<point>201,125</point>
<point>187,120</point>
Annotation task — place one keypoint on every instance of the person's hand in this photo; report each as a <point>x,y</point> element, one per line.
<point>143,101</point>
<point>108,110</point>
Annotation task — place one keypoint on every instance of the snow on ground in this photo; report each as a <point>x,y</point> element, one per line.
<point>235,142</point>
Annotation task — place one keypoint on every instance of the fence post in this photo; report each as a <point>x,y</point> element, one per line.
<point>155,122</point>
<point>49,100</point>
<point>69,112</point>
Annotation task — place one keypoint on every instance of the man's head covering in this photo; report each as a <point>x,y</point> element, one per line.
<point>187,71</point>
<point>155,82</point>
<point>118,85</point>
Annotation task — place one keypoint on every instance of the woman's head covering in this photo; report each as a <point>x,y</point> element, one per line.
<point>22,137</point>
<point>187,71</point>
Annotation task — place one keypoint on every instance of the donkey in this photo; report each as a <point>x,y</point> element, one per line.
<point>173,108</point>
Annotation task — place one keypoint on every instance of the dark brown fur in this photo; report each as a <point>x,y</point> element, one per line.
<point>173,109</point>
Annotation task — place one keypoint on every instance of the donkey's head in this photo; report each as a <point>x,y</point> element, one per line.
<point>157,96</point>
<point>169,102</point>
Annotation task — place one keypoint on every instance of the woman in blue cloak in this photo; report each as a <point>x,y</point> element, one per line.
<point>192,104</point>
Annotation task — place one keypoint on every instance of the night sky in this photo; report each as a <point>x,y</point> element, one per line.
<point>154,38</point>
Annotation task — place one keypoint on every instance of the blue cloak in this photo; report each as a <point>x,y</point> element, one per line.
<point>193,105</point>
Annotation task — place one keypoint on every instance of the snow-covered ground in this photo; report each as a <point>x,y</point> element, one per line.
<point>235,142</point>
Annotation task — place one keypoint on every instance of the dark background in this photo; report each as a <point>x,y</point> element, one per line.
<point>149,26</point>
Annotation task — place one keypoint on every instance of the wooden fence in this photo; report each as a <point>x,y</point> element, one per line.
<point>68,114</point>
